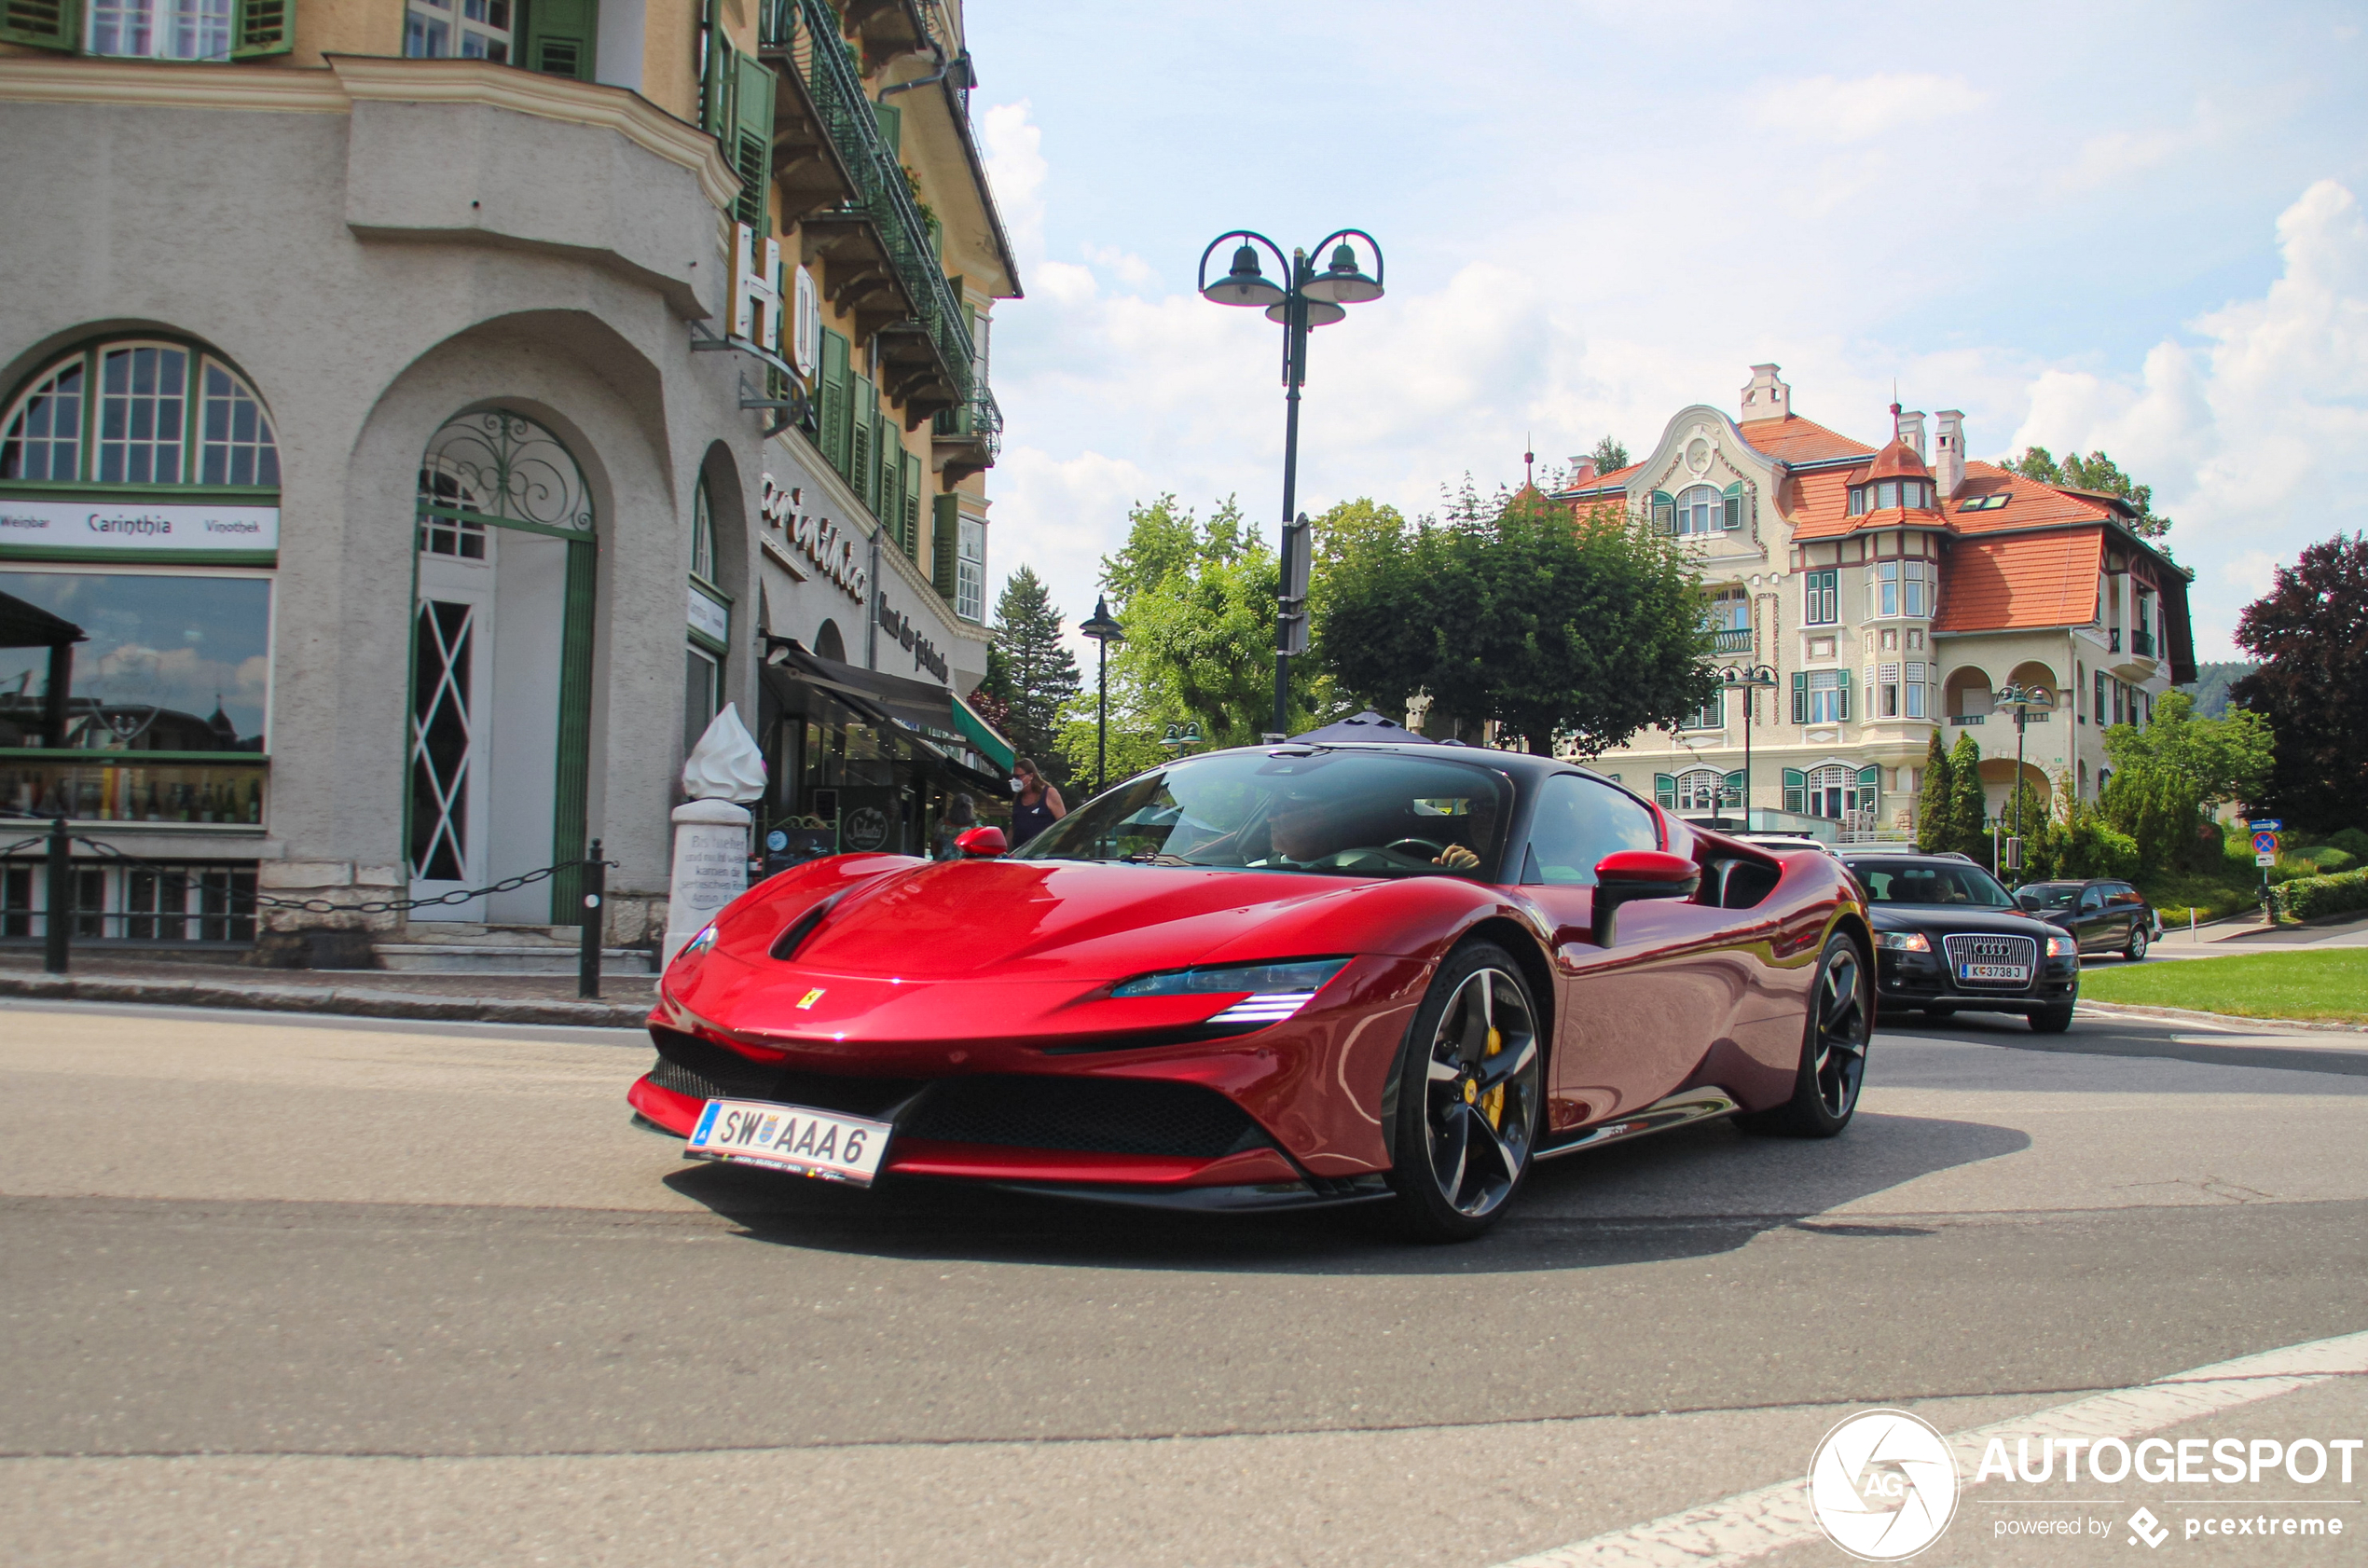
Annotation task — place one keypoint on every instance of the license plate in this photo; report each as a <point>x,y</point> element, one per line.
<point>2018,974</point>
<point>814,1143</point>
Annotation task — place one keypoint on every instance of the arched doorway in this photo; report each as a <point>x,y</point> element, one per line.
<point>500,688</point>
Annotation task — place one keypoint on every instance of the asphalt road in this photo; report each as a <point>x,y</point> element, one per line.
<point>282,1292</point>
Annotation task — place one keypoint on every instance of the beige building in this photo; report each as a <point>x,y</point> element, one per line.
<point>428,413</point>
<point>1888,593</point>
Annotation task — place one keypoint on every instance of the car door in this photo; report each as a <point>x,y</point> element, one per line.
<point>1635,1019</point>
<point>2088,919</point>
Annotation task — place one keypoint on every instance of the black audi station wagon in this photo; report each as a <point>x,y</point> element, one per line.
<point>1949,939</point>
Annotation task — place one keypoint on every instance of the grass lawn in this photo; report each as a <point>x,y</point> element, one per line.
<point>2331,986</point>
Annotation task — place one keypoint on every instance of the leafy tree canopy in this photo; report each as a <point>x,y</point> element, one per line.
<point>1609,454</point>
<point>1030,674</point>
<point>2096,472</point>
<point>2221,760</point>
<point>2310,631</point>
<point>1512,609</point>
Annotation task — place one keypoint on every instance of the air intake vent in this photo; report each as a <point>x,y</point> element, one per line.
<point>789,942</point>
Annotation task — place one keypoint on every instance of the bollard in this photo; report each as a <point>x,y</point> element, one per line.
<point>60,917</point>
<point>596,886</point>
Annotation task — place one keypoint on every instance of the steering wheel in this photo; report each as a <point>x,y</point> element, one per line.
<point>1434,850</point>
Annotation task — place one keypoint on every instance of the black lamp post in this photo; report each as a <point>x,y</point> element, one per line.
<point>1310,299</point>
<point>1749,679</point>
<point>2022,699</point>
<point>1104,630</point>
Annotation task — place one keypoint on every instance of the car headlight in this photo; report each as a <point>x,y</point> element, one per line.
<point>1904,941</point>
<point>1301,977</point>
<point>2063,947</point>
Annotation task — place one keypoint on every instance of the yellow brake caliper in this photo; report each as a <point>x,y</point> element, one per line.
<point>1491,1105</point>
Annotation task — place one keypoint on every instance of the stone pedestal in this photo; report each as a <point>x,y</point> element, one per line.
<point>710,868</point>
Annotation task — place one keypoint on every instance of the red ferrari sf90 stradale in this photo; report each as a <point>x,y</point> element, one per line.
<point>1294,974</point>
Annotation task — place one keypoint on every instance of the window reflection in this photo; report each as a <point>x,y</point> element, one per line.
<point>171,664</point>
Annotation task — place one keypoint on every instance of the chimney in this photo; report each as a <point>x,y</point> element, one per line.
<point>1912,429</point>
<point>1582,473</point>
<point>1949,456</point>
<point>1767,398</point>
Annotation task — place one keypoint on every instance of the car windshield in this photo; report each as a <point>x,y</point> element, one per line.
<point>2049,895</point>
<point>1926,882</point>
<point>1331,813</point>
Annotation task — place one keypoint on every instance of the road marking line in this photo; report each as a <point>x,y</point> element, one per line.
<point>1751,1524</point>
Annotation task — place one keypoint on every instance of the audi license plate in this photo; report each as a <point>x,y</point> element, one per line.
<point>2012,974</point>
<point>814,1143</point>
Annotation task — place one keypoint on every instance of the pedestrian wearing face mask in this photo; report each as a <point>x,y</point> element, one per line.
<point>1039,806</point>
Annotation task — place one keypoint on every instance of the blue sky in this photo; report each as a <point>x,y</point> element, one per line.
<point>2133,226</point>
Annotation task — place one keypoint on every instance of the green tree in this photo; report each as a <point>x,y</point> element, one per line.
<point>1031,673</point>
<point>1609,454</point>
<point>1513,611</point>
<point>1968,806</point>
<point>2310,631</point>
<point>2159,810</point>
<point>2096,472</point>
<point>1935,825</point>
<point>2223,759</point>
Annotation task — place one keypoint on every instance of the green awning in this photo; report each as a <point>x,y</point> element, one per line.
<point>993,747</point>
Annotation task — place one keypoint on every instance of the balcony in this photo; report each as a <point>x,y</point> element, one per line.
<point>2141,642</point>
<point>967,439</point>
<point>843,184</point>
<point>1734,639</point>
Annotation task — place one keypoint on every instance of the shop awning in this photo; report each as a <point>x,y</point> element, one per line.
<point>991,746</point>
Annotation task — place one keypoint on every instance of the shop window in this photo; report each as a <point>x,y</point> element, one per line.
<point>119,414</point>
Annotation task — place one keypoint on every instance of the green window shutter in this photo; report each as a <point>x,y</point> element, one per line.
<point>1843,676</point>
<point>45,24</point>
<point>1664,512</point>
<point>891,120</point>
<point>559,35</point>
<point>751,147</point>
<point>1730,789</point>
<point>946,522</point>
<point>1871,784</point>
<point>1734,499</point>
<point>837,402</point>
<point>716,92</point>
<point>260,27</point>
<point>1665,791</point>
<point>891,511</point>
<point>1796,791</point>
<point>1800,699</point>
<point>912,493</point>
<point>861,470</point>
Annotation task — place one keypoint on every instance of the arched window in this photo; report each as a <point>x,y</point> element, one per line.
<point>702,535</point>
<point>1702,510</point>
<point>141,412</point>
<point>499,468</point>
<point>1699,790</point>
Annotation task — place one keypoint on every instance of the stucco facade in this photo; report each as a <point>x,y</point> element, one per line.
<point>1885,595</point>
<point>378,249</point>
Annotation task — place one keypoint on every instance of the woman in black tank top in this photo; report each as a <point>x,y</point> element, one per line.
<point>1039,806</point>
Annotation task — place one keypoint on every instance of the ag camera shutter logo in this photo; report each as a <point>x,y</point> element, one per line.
<point>1883,1485</point>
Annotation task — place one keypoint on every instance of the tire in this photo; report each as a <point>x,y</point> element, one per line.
<point>1938,1013</point>
<point>1833,1049</point>
<point>1470,1093</point>
<point>2136,948</point>
<point>2050,1020</point>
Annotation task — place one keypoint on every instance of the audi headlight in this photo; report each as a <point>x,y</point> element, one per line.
<point>1904,941</point>
<point>2063,947</point>
<point>1300,977</point>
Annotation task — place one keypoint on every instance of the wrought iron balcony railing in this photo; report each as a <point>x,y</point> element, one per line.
<point>805,35</point>
<point>2141,642</point>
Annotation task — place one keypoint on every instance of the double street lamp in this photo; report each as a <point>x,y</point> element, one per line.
<point>1749,679</point>
<point>1308,300</point>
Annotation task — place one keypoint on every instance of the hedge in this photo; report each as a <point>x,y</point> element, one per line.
<point>2307,896</point>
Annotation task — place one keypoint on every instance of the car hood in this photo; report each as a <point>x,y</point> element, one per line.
<point>1953,918</point>
<point>1044,919</point>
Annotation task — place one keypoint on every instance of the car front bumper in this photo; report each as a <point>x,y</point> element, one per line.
<point>1907,981</point>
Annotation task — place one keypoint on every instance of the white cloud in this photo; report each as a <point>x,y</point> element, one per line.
<point>1833,109</point>
<point>1013,148</point>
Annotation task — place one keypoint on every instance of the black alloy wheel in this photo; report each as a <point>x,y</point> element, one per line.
<point>1833,1054</point>
<point>1469,1093</point>
<point>2136,949</point>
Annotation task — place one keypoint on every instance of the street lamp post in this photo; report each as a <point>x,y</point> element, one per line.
<point>2022,699</point>
<point>1104,630</point>
<point>1310,299</point>
<point>1749,679</point>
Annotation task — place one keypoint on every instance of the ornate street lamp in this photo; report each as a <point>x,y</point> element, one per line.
<point>1104,630</point>
<point>2022,699</point>
<point>1748,679</point>
<point>1307,300</point>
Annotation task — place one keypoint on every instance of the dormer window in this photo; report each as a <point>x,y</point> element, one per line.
<point>1990,502</point>
<point>1889,494</point>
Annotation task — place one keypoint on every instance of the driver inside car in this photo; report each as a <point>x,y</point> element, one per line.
<point>1303,832</point>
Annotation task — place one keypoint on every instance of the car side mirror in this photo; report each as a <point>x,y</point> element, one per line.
<point>1627,875</point>
<point>981,844</point>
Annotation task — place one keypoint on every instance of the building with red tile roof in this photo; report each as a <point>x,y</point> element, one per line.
<point>1889,592</point>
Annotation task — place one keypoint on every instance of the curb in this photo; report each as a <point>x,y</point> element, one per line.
<point>352,1002</point>
<point>2319,1025</point>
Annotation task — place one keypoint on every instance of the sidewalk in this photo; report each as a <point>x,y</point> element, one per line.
<point>98,977</point>
<point>2247,934</point>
